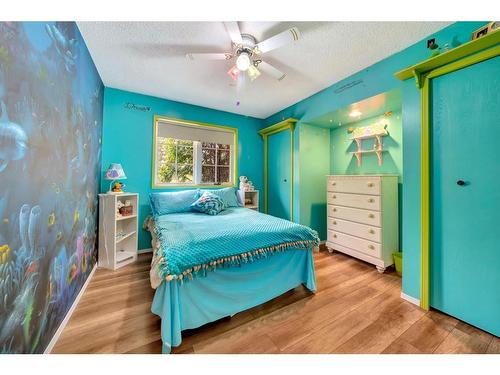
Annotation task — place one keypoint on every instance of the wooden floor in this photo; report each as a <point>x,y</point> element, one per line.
<point>356,310</point>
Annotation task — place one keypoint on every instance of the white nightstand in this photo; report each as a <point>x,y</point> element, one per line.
<point>117,233</point>
<point>253,196</point>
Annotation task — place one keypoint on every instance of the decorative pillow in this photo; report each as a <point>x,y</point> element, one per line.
<point>173,201</point>
<point>228,196</point>
<point>209,204</point>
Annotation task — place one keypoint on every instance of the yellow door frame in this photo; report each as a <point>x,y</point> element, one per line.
<point>288,124</point>
<point>466,55</point>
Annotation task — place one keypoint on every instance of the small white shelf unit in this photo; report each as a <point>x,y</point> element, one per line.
<point>117,233</point>
<point>377,147</point>
<point>250,199</point>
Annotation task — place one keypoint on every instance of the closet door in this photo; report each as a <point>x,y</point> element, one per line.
<point>465,194</point>
<point>279,174</point>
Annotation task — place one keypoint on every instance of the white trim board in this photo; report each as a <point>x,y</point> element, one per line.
<point>410,299</point>
<point>65,321</point>
<point>143,251</point>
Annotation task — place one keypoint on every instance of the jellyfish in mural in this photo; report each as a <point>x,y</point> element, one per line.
<point>13,140</point>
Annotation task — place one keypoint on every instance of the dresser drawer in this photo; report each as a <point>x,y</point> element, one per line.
<point>359,230</point>
<point>354,185</point>
<point>359,244</point>
<point>369,202</point>
<point>355,214</point>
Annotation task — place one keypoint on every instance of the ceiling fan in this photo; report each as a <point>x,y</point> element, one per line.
<point>247,52</point>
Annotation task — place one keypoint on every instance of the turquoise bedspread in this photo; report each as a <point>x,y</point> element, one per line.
<point>194,243</point>
<point>228,291</point>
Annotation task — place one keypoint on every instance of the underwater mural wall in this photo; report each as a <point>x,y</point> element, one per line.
<point>51,99</point>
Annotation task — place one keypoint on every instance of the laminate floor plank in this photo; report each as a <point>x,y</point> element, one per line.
<point>354,310</point>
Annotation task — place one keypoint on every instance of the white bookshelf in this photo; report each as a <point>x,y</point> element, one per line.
<point>117,234</point>
<point>253,196</point>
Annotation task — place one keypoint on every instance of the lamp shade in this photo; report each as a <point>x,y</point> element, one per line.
<point>115,172</point>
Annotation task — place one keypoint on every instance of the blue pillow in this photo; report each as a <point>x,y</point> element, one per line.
<point>209,204</point>
<point>173,201</point>
<point>228,196</point>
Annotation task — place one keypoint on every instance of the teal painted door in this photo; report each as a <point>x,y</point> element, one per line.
<point>279,174</point>
<point>465,195</point>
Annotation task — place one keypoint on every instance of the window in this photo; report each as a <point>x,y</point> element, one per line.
<point>188,154</point>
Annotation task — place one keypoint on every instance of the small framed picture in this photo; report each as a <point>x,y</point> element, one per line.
<point>486,29</point>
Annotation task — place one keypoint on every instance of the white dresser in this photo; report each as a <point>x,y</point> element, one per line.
<point>362,215</point>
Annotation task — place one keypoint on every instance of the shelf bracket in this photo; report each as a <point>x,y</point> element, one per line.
<point>418,78</point>
<point>358,157</point>
<point>379,157</point>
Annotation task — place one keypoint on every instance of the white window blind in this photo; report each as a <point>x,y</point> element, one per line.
<point>194,133</point>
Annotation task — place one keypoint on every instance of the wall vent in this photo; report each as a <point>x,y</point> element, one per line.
<point>348,86</point>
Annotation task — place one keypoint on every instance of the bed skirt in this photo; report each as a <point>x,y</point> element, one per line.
<point>228,291</point>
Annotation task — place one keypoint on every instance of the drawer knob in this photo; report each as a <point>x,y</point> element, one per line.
<point>334,236</point>
<point>370,184</point>
<point>334,196</point>
<point>372,231</point>
<point>371,216</point>
<point>371,200</point>
<point>334,183</point>
<point>334,210</point>
<point>334,222</point>
<point>371,247</point>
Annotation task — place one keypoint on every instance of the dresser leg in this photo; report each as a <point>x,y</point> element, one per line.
<point>380,269</point>
<point>330,250</point>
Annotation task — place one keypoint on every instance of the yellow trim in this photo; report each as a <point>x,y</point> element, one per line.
<point>234,130</point>
<point>424,83</point>
<point>425,195</point>
<point>288,124</point>
<point>454,54</point>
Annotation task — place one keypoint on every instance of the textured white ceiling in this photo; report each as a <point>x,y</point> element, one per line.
<point>149,58</point>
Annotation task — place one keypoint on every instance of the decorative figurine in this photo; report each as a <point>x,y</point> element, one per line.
<point>434,47</point>
<point>118,187</point>
<point>246,184</point>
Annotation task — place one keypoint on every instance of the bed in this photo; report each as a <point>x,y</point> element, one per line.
<point>205,268</point>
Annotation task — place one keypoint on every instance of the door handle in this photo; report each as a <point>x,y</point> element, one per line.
<point>461,183</point>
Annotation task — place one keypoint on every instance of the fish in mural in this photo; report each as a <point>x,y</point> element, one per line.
<point>13,139</point>
<point>63,46</point>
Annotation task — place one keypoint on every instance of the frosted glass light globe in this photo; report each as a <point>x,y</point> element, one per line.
<point>243,62</point>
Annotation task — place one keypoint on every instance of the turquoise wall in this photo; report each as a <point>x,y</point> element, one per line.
<point>376,79</point>
<point>128,139</point>
<point>314,165</point>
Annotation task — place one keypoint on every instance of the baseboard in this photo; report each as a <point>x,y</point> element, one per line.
<point>65,321</point>
<point>410,299</point>
<point>143,251</point>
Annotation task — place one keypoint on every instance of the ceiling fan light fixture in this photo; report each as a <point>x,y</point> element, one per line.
<point>234,72</point>
<point>253,72</point>
<point>243,61</point>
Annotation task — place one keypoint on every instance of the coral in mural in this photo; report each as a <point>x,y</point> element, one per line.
<point>50,129</point>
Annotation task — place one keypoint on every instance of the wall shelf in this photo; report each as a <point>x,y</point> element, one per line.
<point>450,56</point>
<point>358,154</point>
<point>375,131</point>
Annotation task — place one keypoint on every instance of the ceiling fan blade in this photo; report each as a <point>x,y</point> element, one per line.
<point>208,56</point>
<point>271,70</point>
<point>278,40</point>
<point>234,32</point>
